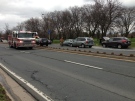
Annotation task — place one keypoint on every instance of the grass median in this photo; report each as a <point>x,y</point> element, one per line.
<point>3,94</point>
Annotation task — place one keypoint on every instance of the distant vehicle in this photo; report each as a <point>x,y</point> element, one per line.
<point>18,39</point>
<point>42,41</point>
<point>68,42</point>
<point>49,41</point>
<point>4,41</point>
<point>104,39</point>
<point>119,42</point>
<point>0,40</point>
<point>82,42</point>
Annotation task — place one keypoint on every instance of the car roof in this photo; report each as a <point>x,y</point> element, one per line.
<point>83,37</point>
<point>119,37</point>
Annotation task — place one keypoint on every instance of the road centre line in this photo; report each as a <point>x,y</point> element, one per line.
<point>83,64</point>
<point>44,96</point>
<point>122,59</point>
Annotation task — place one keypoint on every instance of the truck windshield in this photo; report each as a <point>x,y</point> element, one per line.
<point>25,35</point>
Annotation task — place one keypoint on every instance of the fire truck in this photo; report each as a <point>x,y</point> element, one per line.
<point>22,39</point>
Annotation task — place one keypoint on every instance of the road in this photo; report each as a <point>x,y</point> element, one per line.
<point>59,76</point>
<point>100,49</point>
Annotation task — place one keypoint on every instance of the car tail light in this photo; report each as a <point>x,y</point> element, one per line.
<point>86,42</point>
<point>123,41</point>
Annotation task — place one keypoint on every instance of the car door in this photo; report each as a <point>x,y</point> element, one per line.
<point>78,42</point>
<point>109,42</point>
<point>74,42</point>
<point>65,42</point>
<point>115,42</point>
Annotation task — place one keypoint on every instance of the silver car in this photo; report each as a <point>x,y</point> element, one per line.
<point>82,42</point>
<point>67,42</point>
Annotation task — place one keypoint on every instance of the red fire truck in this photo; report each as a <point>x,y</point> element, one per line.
<point>22,39</point>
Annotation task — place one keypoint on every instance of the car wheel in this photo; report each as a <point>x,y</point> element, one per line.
<point>10,46</point>
<point>104,45</point>
<point>71,45</point>
<point>82,45</point>
<point>119,46</point>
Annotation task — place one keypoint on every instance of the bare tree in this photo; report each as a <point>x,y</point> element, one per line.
<point>33,24</point>
<point>53,21</point>
<point>77,20</point>
<point>127,20</point>
<point>109,12</point>
<point>91,18</point>
<point>7,31</point>
<point>19,27</point>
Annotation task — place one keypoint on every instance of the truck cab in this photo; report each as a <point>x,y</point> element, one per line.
<point>22,39</point>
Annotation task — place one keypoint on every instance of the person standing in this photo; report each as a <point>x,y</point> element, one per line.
<point>61,41</point>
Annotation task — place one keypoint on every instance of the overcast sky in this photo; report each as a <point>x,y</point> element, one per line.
<point>13,12</point>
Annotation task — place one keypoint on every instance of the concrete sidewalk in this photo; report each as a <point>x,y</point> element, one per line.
<point>13,89</point>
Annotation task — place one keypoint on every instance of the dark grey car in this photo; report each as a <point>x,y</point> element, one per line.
<point>83,42</point>
<point>119,42</point>
<point>42,41</point>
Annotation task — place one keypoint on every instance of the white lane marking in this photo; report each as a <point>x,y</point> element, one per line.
<point>83,64</point>
<point>44,96</point>
<point>113,49</point>
<point>24,52</point>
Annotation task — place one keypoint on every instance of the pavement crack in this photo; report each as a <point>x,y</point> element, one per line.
<point>36,79</point>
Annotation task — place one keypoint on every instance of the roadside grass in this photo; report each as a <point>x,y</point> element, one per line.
<point>3,95</point>
<point>132,42</point>
<point>56,41</point>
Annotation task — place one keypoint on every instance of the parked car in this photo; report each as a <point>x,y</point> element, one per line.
<point>119,42</point>
<point>82,42</point>
<point>42,41</point>
<point>49,41</point>
<point>67,42</point>
<point>104,39</point>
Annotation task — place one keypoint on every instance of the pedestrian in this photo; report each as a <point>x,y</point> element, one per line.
<point>61,41</point>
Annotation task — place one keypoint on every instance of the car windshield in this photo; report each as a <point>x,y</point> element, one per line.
<point>106,38</point>
<point>89,39</point>
<point>25,35</point>
<point>44,39</point>
<point>70,40</point>
<point>126,38</point>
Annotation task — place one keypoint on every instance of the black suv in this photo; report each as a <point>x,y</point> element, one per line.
<point>42,41</point>
<point>119,42</point>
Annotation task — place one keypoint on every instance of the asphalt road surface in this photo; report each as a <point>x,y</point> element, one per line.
<point>58,76</point>
<point>100,49</point>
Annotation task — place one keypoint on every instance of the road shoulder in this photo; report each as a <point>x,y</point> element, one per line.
<point>13,89</point>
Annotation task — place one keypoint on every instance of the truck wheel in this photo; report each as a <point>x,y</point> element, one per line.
<point>10,46</point>
<point>15,46</point>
